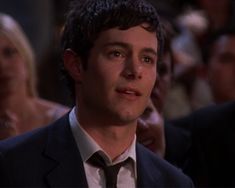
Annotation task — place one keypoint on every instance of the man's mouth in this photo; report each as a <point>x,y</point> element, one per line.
<point>129,93</point>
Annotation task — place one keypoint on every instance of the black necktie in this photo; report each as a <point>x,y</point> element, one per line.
<point>110,172</point>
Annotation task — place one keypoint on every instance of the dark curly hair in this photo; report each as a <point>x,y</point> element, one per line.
<point>88,18</point>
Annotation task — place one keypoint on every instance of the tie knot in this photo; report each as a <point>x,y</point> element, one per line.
<point>110,172</point>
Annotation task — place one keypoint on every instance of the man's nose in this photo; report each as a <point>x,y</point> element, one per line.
<point>132,69</point>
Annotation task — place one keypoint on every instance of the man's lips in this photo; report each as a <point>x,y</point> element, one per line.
<point>128,91</point>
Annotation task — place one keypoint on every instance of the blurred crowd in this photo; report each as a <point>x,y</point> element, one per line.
<point>197,81</point>
<point>191,23</point>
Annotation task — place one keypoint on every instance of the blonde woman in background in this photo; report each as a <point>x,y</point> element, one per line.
<point>21,109</point>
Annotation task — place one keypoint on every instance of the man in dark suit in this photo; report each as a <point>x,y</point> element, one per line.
<point>205,147</point>
<point>110,52</point>
<point>204,140</point>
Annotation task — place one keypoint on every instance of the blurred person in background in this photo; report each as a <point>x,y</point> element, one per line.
<point>196,21</point>
<point>203,145</point>
<point>219,58</point>
<point>206,137</point>
<point>220,13</point>
<point>20,108</point>
<point>36,19</point>
<point>42,28</point>
<point>150,130</point>
<point>189,90</point>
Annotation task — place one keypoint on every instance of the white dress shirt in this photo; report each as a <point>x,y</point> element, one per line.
<point>127,175</point>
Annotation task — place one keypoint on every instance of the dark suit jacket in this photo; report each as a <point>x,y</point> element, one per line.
<point>178,143</point>
<point>49,157</point>
<point>207,146</point>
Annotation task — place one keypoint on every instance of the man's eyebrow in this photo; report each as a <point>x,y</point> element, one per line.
<point>121,44</point>
<point>150,50</point>
<point>125,45</point>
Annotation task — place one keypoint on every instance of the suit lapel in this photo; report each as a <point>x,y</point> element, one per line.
<point>68,169</point>
<point>146,175</point>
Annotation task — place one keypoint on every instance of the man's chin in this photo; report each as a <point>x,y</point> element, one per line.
<point>127,119</point>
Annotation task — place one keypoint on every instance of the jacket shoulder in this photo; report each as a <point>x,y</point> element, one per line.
<point>159,170</point>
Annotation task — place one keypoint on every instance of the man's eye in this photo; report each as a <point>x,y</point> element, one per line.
<point>148,60</point>
<point>115,54</point>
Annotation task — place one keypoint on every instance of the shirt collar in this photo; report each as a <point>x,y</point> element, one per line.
<point>87,145</point>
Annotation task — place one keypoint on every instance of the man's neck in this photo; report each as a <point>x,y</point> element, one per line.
<point>113,139</point>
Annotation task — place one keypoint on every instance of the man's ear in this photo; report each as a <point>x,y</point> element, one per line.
<point>72,64</point>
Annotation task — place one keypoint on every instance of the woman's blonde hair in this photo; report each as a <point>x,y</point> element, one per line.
<point>12,30</point>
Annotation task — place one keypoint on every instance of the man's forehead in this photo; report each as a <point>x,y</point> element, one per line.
<point>135,35</point>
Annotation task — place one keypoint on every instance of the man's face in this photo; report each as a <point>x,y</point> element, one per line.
<point>120,76</point>
<point>221,69</point>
